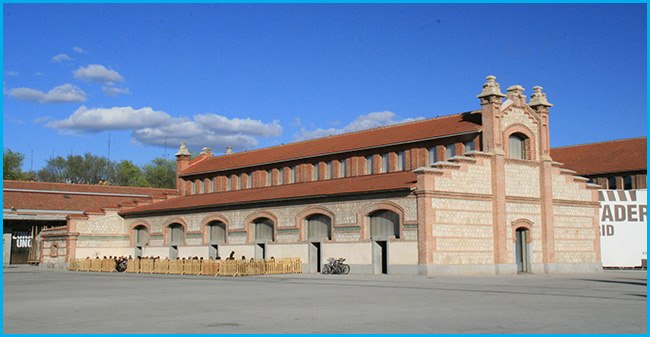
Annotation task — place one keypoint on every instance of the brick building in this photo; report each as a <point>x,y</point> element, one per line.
<point>617,164</point>
<point>33,211</point>
<point>471,193</point>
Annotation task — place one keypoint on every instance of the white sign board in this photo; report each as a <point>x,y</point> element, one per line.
<point>623,227</point>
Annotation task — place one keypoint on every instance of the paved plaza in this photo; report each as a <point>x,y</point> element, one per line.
<point>37,300</point>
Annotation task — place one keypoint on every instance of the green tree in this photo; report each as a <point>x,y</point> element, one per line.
<point>11,166</point>
<point>86,169</point>
<point>129,174</point>
<point>160,173</point>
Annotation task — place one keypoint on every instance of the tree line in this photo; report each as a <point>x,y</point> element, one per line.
<point>91,169</point>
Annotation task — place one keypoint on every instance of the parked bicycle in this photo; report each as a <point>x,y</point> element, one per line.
<point>335,266</point>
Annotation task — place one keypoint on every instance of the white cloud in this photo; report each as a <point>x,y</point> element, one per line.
<point>117,118</point>
<point>61,58</point>
<point>11,73</point>
<point>363,122</point>
<point>98,73</point>
<point>115,91</point>
<point>61,94</point>
<point>79,50</point>
<point>157,128</point>
<point>41,119</point>
<point>247,126</point>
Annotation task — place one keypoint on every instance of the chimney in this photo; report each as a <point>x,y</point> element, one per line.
<point>182,162</point>
<point>491,100</point>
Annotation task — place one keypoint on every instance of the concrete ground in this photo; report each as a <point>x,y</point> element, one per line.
<point>38,300</point>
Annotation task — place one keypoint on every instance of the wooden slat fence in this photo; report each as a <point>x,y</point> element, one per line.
<point>194,267</point>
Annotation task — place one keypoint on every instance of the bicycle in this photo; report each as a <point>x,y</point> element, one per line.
<point>335,266</point>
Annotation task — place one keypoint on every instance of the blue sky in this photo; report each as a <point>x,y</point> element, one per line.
<point>257,75</point>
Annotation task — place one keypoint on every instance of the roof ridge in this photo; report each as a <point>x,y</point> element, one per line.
<point>601,142</point>
<point>338,135</point>
<point>84,185</point>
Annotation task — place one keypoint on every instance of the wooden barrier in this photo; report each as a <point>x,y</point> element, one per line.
<point>146,266</point>
<point>230,268</point>
<point>193,267</point>
<point>161,266</point>
<point>74,264</point>
<point>133,266</point>
<point>108,265</point>
<point>210,267</point>
<point>84,265</point>
<point>176,267</point>
<point>95,265</point>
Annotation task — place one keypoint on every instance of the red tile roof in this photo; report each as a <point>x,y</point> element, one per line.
<point>604,157</point>
<point>404,180</point>
<point>32,195</point>
<point>383,136</point>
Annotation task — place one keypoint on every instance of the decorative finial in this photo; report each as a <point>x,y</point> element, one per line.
<point>183,151</point>
<point>229,150</point>
<point>491,88</point>
<point>539,98</point>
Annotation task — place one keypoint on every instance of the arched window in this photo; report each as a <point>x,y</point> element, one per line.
<point>518,146</point>
<point>216,232</point>
<point>263,229</point>
<point>384,224</point>
<point>319,227</point>
<point>140,236</point>
<point>176,234</point>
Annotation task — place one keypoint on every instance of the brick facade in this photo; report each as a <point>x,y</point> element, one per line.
<point>484,211</point>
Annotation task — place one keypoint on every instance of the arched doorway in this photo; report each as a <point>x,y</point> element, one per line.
<point>216,231</point>
<point>176,236</point>
<point>140,239</point>
<point>264,232</point>
<point>384,225</point>
<point>522,249</point>
<point>319,228</point>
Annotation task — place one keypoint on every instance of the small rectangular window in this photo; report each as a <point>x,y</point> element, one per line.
<point>229,185</point>
<point>342,168</point>
<point>384,163</point>
<point>269,177</point>
<point>328,171</point>
<point>239,181</point>
<point>316,173</point>
<point>293,174</point>
<point>432,155</point>
<point>401,161</point>
<point>202,186</point>
<point>627,182</point>
<point>469,146</point>
<point>450,151</point>
<point>214,184</point>
<point>369,160</point>
<point>249,180</point>
<point>611,183</point>
<point>281,176</point>
<point>193,187</point>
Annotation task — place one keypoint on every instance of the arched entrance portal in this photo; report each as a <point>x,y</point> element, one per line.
<point>264,232</point>
<point>384,225</point>
<point>216,231</point>
<point>522,250</point>
<point>319,228</point>
<point>140,239</point>
<point>176,236</point>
